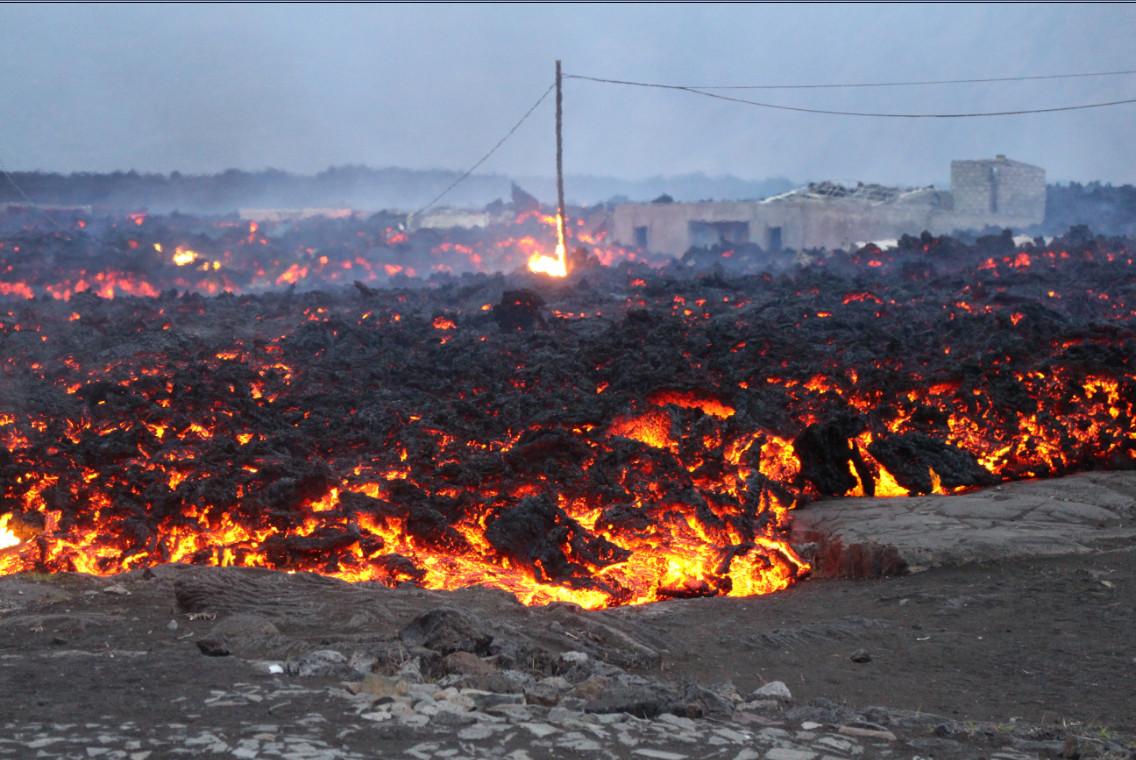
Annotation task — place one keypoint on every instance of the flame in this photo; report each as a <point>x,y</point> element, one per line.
<point>706,403</point>
<point>184,256</point>
<point>8,537</point>
<point>652,428</point>
<point>553,266</point>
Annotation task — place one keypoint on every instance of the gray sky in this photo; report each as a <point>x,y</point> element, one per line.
<point>202,88</point>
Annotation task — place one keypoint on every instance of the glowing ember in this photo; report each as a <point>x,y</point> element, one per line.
<point>653,428</point>
<point>8,537</point>
<point>184,256</point>
<point>692,400</point>
<point>553,266</point>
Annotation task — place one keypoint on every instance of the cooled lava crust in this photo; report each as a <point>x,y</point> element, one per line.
<point>626,435</point>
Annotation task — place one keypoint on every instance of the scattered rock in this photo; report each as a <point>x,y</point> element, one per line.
<point>322,663</point>
<point>380,686</point>
<point>776,690</point>
<point>867,733</point>
<point>411,671</point>
<point>786,753</point>
<point>475,732</point>
<point>486,699</point>
<point>212,648</point>
<point>574,658</point>
<point>542,693</point>
<point>592,688</point>
<point>117,589</point>
<point>860,655</point>
<point>658,754</point>
<point>540,730</point>
<point>446,630</point>
<point>243,625</point>
<point>639,698</point>
<point>467,663</point>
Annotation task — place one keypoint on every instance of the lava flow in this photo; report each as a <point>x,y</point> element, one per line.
<point>553,266</point>
<point>621,436</point>
<point>141,255</point>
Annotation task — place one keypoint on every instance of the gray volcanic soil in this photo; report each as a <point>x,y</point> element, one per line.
<point>1025,656</point>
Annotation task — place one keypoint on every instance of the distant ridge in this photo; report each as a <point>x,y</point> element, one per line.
<point>358,187</point>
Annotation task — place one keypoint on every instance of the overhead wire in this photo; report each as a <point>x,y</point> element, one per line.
<point>27,199</point>
<point>837,112</point>
<point>910,83</point>
<point>486,157</point>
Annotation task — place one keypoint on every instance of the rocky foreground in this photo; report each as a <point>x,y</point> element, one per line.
<point>1028,657</point>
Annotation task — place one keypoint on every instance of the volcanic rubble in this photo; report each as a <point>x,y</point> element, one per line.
<point>629,434</point>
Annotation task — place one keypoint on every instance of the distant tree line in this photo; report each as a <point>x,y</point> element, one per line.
<point>1104,208</point>
<point>357,187</point>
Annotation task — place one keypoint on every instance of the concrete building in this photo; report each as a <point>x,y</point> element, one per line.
<point>996,192</point>
<point>999,187</point>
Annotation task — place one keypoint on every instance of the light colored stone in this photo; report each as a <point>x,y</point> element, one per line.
<point>380,686</point>
<point>657,754</point>
<point>579,743</point>
<point>476,732</point>
<point>834,743</point>
<point>467,663</point>
<point>540,730</point>
<point>485,699</point>
<point>513,712</point>
<point>786,753</point>
<point>378,716</point>
<point>737,737</point>
<point>776,690</point>
<point>564,715</point>
<point>867,733</point>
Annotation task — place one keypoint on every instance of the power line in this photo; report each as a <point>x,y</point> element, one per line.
<point>485,158</point>
<point>912,83</point>
<point>833,112</point>
<point>32,204</point>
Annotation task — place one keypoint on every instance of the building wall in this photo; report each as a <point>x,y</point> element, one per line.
<point>1020,189</point>
<point>1015,189</point>
<point>999,186</point>
<point>972,187</point>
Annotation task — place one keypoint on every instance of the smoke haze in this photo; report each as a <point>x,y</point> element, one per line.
<point>203,88</point>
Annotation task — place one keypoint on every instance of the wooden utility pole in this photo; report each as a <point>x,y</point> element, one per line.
<point>560,213</point>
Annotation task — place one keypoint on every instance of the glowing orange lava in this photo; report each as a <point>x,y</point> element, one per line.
<point>553,266</point>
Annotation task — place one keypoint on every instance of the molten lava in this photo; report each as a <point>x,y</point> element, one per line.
<point>639,437</point>
<point>8,537</point>
<point>553,266</point>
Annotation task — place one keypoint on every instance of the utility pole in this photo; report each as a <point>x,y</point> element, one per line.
<point>560,211</point>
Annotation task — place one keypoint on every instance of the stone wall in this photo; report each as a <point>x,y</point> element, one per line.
<point>972,186</point>
<point>988,193</point>
<point>999,187</point>
<point>1020,190</point>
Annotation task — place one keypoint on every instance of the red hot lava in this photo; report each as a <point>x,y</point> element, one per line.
<point>633,437</point>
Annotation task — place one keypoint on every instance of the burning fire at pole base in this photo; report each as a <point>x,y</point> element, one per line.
<point>640,436</point>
